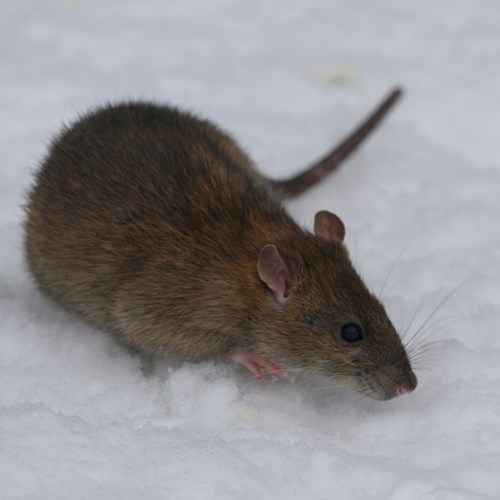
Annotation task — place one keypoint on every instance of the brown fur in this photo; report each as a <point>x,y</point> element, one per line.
<point>147,223</point>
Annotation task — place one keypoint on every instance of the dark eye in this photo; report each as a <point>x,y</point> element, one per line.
<point>351,332</point>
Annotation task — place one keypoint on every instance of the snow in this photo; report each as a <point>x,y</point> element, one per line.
<point>79,419</point>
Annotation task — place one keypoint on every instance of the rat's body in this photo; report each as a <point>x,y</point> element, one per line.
<point>153,225</point>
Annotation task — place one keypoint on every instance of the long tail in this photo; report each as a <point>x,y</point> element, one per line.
<point>318,171</point>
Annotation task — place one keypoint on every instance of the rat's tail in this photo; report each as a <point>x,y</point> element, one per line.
<point>318,171</point>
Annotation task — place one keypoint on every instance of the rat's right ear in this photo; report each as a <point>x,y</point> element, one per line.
<point>328,226</point>
<point>275,273</point>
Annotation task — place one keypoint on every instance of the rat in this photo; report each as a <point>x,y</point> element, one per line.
<point>152,224</point>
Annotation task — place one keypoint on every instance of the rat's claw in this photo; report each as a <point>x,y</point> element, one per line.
<point>255,363</point>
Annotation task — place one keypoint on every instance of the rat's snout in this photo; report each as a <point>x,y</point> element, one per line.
<point>388,382</point>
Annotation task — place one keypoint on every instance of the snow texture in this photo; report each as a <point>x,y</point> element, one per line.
<point>79,419</point>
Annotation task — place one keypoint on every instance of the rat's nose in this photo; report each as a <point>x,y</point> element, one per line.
<point>408,384</point>
<point>402,389</point>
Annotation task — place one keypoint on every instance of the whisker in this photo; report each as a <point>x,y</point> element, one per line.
<point>425,335</point>
<point>325,387</point>
<point>304,379</point>
<point>294,385</point>
<point>425,356</point>
<point>424,348</point>
<point>439,326</point>
<point>412,319</point>
<point>356,227</point>
<point>425,363</point>
<point>427,369</point>
<point>347,391</point>
<point>419,334</point>
<point>394,264</point>
<point>443,301</point>
<point>396,283</point>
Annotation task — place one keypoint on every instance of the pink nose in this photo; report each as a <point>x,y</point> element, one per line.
<point>402,389</point>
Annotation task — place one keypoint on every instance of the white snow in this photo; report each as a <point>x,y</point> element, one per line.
<point>78,418</point>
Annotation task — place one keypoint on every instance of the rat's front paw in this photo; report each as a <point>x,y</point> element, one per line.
<point>255,363</point>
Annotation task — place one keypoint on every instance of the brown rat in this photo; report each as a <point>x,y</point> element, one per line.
<point>154,225</point>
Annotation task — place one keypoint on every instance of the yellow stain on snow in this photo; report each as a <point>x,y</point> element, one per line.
<point>249,412</point>
<point>75,4</point>
<point>339,75</point>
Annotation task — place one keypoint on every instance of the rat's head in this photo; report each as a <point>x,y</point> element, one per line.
<point>323,319</point>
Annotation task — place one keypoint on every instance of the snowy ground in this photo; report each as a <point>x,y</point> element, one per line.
<point>78,419</point>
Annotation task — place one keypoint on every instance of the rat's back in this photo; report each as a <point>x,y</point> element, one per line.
<point>130,185</point>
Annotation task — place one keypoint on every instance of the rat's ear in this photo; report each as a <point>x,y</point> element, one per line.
<point>275,273</point>
<point>328,226</point>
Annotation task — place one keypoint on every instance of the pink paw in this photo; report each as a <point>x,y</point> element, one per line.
<point>255,363</point>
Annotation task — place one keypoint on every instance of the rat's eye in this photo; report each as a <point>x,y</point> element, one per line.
<point>351,332</point>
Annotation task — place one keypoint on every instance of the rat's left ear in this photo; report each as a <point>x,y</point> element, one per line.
<point>329,226</point>
<point>276,273</point>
